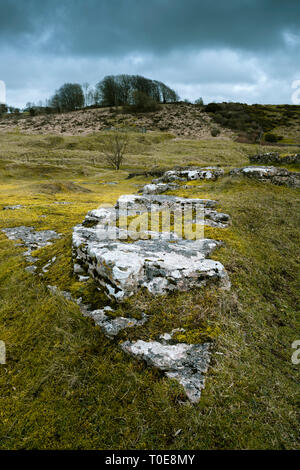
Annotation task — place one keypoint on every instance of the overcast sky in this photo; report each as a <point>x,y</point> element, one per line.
<point>221,50</point>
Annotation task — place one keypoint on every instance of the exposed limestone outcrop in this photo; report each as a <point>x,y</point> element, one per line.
<point>190,174</point>
<point>271,158</point>
<point>158,188</point>
<point>275,175</point>
<point>186,363</point>
<point>32,240</point>
<point>163,263</point>
<point>131,204</point>
<point>13,208</point>
<point>159,266</point>
<point>111,326</point>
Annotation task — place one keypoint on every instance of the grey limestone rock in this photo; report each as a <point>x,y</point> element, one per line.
<point>186,363</point>
<point>190,174</point>
<point>159,266</point>
<point>112,326</point>
<point>31,239</point>
<point>12,208</point>
<point>275,175</point>
<point>158,188</point>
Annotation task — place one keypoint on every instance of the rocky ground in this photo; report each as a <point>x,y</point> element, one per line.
<point>124,257</point>
<point>84,366</point>
<point>159,261</point>
<point>182,120</point>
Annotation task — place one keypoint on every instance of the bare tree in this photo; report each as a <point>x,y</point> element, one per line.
<point>114,148</point>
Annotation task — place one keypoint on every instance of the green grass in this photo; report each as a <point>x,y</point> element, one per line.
<point>249,121</point>
<point>65,386</point>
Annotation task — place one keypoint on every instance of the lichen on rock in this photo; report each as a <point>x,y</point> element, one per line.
<point>275,175</point>
<point>190,174</point>
<point>186,363</point>
<point>31,239</point>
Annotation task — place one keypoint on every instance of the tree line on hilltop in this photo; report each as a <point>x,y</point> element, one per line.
<point>135,92</point>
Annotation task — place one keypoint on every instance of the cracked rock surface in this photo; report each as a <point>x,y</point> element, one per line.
<point>275,175</point>
<point>113,326</point>
<point>159,202</point>
<point>13,208</point>
<point>30,238</point>
<point>160,264</point>
<point>190,174</point>
<point>158,188</point>
<point>163,263</point>
<point>186,363</point>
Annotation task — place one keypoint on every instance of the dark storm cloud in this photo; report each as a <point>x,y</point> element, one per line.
<point>239,50</point>
<point>114,26</point>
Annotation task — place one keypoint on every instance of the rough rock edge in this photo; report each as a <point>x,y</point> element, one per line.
<point>273,158</point>
<point>32,239</point>
<point>186,363</point>
<point>159,266</point>
<point>111,326</point>
<point>183,362</point>
<point>275,175</point>
<point>190,174</point>
<point>123,268</point>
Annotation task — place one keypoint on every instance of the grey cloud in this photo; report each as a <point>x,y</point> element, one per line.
<point>105,26</point>
<point>244,50</point>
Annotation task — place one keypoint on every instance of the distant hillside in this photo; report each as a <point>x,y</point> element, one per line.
<point>269,123</point>
<point>241,122</point>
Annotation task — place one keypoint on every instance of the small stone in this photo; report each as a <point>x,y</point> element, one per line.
<point>31,269</point>
<point>112,326</point>
<point>78,269</point>
<point>159,188</point>
<point>32,239</point>
<point>50,262</point>
<point>12,208</point>
<point>62,203</point>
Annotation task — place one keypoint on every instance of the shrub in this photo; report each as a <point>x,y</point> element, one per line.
<point>272,137</point>
<point>212,107</point>
<point>143,103</point>
<point>215,131</point>
<point>33,112</point>
<point>199,102</point>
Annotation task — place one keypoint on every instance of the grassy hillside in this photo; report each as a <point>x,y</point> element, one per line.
<point>66,386</point>
<point>256,123</point>
<point>237,121</point>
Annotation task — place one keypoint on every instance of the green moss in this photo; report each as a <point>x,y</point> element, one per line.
<point>199,335</point>
<point>66,386</point>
